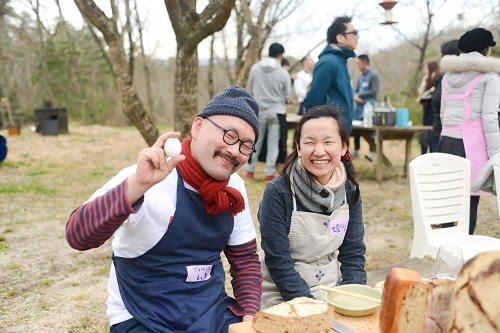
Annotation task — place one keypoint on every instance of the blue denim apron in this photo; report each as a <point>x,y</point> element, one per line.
<point>154,286</point>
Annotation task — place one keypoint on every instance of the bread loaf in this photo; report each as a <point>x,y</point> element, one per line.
<point>438,311</point>
<point>397,284</point>
<point>412,311</point>
<point>300,315</point>
<point>412,305</point>
<point>476,296</point>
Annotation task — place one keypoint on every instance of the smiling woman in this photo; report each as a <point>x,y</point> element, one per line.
<point>310,217</point>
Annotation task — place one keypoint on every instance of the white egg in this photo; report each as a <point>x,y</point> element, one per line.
<point>172,147</point>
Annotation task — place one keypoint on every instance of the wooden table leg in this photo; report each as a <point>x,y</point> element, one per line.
<point>407,155</point>
<point>379,159</point>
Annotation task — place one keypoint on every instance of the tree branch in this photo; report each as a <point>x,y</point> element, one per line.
<point>98,19</point>
<point>409,41</point>
<point>189,27</point>
<point>213,18</point>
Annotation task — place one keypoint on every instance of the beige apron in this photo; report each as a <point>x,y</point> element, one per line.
<point>314,240</point>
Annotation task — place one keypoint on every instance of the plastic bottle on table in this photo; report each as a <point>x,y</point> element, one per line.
<point>368,115</point>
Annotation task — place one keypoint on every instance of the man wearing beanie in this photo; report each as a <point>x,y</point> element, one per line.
<point>470,96</point>
<point>171,216</point>
<point>270,85</point>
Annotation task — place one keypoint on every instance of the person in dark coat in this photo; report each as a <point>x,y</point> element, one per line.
<point>331,82</point>
<point>3,148</point>
<point>447,48</point>
<point>425,92</point>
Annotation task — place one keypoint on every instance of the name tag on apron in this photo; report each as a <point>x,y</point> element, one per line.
<point>198,273</point>
<point>338,226</point>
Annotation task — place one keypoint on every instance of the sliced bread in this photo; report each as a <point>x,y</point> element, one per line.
<point>300,315</point>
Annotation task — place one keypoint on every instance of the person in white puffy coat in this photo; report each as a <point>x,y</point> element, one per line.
<point>469,105</point>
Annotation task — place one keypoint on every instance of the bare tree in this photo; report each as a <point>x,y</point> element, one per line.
<point>432,7</point>
<point>253,28</point>
<point>43,33</point>
<point>131,45</point>
<point>131,104</point>
<point>270,13</point>
<point>145,61</point>
<point>190,29</point>
<point>210,74</point>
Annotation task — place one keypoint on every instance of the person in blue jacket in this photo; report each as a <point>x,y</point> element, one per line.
<point>331,83</point>
<point>3,148</point>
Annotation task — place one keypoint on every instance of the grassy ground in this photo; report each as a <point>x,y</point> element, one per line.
<point>45,286</point>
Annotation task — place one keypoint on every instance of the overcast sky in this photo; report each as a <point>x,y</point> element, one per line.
<point>306,27</point>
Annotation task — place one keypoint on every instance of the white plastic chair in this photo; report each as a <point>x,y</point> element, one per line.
<point>440,194</point>
<point>496,176</point>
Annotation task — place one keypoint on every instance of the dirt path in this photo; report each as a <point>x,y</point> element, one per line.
<point>45,286</point>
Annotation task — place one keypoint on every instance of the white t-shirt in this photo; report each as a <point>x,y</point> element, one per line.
<point>144,229</point>
<point>302,84</point>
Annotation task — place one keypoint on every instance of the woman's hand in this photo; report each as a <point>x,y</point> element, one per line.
<point>152,167</point>
<point>247,318</point>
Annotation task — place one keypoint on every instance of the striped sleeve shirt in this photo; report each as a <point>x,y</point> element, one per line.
<point>91,224</point>
<point>247,277</point>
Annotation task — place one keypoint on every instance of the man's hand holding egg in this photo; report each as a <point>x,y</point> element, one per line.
<point>153,166</point>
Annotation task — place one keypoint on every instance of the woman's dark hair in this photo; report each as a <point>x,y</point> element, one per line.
<point>321,111</point>
<point>484,51</point>
<point>285,62</point>
<point>432,69</point>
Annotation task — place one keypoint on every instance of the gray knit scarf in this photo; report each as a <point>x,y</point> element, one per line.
<point>307,191</point>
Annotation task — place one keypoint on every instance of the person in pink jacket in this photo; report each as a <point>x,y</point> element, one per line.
<point>469,105</point>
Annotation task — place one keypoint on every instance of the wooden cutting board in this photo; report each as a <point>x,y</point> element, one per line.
<point>367,324</point>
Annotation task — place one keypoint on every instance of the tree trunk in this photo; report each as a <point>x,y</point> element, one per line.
<point>131,104</point>
<point>186,78</point>
<point>145,63</point>
<point>210,73</point>
<point>190,29</point>
<point>253,55</point>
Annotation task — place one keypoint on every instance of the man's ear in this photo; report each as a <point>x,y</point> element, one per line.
<point>340,39</point>
<point>196,127</point>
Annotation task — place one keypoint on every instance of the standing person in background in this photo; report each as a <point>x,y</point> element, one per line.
<point>366,91</point>
<point>425,92</point>
<point>447,48</point>
<point>270,85</point>
<point>285,63</point>
<point>303,81</point>
<point>331,83</point>
<point>470,96</point>
<point>171,218</point>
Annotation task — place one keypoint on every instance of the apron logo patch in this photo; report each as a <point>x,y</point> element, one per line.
<point>198,273</point>
<point>338,226</point>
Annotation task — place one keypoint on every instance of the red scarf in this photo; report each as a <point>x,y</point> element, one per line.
<point>216,196</point>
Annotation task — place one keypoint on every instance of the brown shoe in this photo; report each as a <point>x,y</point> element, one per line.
<point>249,175</point>
<point>268,178</point>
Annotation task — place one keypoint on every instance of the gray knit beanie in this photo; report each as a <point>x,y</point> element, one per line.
<point>237,102</point>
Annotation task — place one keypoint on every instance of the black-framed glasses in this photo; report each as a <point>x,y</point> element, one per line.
<point>231,137</point>
<point>354,32</point>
